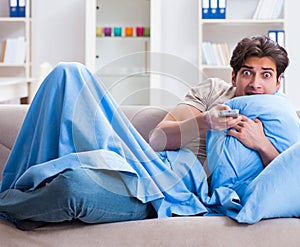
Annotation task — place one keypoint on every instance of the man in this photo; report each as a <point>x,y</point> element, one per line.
<point>258,64</point>
<point>90,162</point>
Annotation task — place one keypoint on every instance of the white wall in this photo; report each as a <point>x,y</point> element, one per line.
<point>173,34</point>
<point>292,43</point>
<point>58,32</point>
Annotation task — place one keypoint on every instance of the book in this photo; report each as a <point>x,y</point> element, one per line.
<point>268,9</point>
<point>208,53</point>
<point>216,53</point>
<point>15,51</point>
<point>3,48</point>
<point>277,11</point>
<point>226,53</point>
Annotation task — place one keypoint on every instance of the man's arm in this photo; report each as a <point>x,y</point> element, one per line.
<point>185,123</point>
<point>179,127</point>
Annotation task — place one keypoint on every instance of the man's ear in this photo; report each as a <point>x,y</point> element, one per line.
<point>233,78</point>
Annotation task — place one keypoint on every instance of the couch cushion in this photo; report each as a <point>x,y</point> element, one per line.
<point>178,231</point>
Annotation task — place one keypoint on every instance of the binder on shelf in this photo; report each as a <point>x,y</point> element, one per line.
<point>272,35</point>
<point>213,9</point>
<point>221,9</point>
<point>13,8</point>
<point>281,38</point>
<point>278,36</point>
<point>21,8</point>
<point>206,9</point>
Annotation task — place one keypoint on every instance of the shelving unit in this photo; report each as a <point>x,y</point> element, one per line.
<point>239,23</point>
<point>15,77</point>
<point>121,62</point>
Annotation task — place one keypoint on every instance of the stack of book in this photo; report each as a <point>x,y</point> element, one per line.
<point>13,51</point>
<point>216,53</point>
<point>268,9</point>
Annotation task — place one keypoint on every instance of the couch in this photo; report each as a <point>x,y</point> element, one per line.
<point>176,231</point>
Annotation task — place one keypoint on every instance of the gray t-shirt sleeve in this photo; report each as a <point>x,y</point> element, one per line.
<point>209,93</point>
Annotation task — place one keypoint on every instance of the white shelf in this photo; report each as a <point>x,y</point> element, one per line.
<point>12,65</point>
<point>123,38</point>
<point>14,78</point>
<point>13,88</point>
<point>119,60</point>
<point>212,67</point>
<point>13,19</point>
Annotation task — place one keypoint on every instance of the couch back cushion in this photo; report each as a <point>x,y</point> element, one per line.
<point>144,118</point>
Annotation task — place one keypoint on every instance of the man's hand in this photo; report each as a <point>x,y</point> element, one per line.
<point>251,134</point>
<point>221,123</point>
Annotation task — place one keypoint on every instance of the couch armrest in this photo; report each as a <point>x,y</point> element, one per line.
<point>11,119</point>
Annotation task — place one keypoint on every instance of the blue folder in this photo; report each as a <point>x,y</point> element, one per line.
<point>21,8</point>
<point>206,12</point>
<point>13,8</point>
<point>221,9</point>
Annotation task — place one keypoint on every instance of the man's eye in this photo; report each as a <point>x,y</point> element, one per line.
<point>246,72</point>
<point>267,75</point>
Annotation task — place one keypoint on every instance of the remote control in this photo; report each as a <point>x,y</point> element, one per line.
<point>229,113</point>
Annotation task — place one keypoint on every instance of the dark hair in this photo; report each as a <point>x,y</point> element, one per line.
<point>259,46</point>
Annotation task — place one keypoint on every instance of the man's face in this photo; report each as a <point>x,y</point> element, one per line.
<point>257,76</point>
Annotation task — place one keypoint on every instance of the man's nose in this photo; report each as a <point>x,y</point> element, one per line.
<point>255,82</point>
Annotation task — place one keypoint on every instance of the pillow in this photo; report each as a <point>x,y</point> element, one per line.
<point>232,164</point>
<point>275,191</point>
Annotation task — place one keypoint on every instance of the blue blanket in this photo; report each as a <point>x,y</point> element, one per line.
<point>78,124</point>
<point>73,122</point>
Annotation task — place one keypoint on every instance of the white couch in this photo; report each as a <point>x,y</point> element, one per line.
<point>178,231</point>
